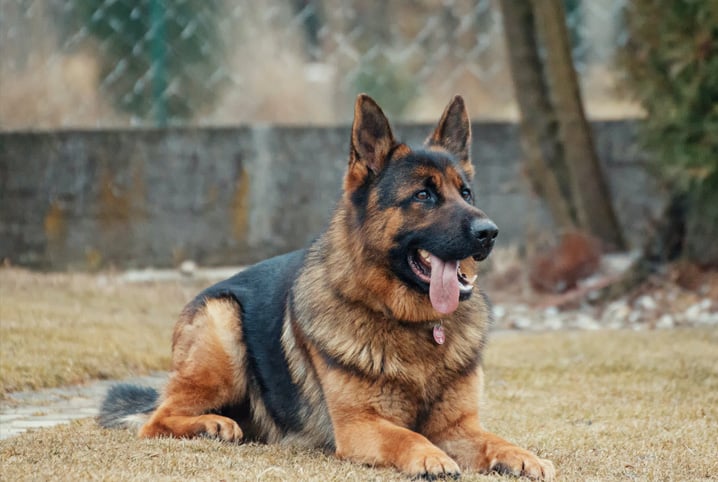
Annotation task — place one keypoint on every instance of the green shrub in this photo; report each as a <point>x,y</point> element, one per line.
<point>391,86</point>
<point>161,59</point>
<point>671,61</point>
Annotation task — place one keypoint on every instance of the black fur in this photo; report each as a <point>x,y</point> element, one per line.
<point>262,291</point>
<point>402,171</point>
<point>124,400</point>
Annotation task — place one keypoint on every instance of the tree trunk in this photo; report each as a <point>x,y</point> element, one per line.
<point>589,190</point>
<point>539,140</point>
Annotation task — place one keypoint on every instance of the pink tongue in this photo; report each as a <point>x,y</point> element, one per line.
<point>444,286</point>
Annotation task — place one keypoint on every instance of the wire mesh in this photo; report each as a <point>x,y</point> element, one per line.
<point>120,63</point>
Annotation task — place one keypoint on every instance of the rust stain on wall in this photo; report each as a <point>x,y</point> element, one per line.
<point>138,194</point>
<point>115,203</point>
<point>212,195</point>
<point>55,223</point>
<point>119,205</point>
<point>240,206</point>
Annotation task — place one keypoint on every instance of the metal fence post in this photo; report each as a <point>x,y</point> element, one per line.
<point>159,62</point>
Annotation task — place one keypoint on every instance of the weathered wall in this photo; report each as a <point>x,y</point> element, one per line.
<point>89,199</point>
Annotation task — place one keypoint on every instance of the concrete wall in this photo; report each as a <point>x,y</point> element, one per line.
<point>134,198</point>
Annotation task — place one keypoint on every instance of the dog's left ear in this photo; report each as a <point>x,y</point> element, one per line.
<point>453,133</point>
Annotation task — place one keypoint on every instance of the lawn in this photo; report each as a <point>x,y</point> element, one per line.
<point>58,329</point>
<point>603,405</point>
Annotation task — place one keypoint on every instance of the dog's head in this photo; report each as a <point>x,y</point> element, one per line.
<point>414,208</point>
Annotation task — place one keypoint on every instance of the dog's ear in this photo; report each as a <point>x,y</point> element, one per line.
<point>372,139</point>
<point>453,133</point>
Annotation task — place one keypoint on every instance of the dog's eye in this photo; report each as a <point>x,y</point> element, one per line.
<point>466,194</point>
<point>423,195</point>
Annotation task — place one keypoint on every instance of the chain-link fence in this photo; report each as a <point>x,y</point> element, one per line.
<point>110,63</point>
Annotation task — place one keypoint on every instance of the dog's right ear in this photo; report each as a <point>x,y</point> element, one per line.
<point>371,141</point>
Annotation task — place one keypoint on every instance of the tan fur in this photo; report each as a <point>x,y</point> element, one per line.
<point>208,372</point>
<point>357,340</point>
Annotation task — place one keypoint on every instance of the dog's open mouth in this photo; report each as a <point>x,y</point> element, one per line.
<point>446,281</point>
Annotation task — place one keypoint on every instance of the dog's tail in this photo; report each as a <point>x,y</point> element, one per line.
<point>127,406</point>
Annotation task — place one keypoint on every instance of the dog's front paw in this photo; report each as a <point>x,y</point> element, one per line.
<point>431,464</point>
<point>223,428</point>
<point>522,463</point>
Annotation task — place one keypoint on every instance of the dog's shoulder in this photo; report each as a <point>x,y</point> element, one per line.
<point>262,284</point>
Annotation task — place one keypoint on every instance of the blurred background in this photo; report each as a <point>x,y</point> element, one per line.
<point>120,63</point>
<point>132,129</point>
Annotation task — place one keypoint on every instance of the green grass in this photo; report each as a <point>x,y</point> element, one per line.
<point>606,405</point>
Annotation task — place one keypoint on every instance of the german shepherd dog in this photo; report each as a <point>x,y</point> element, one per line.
<point>369,342</point>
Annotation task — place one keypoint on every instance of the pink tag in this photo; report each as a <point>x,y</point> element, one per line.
<point>439,335</point>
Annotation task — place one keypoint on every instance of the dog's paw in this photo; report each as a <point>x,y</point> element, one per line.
<point>522,463</point>
<point>222,428</point>
<point>432,465</point>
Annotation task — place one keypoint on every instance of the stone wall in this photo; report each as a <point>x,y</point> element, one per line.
<point>225,196</point>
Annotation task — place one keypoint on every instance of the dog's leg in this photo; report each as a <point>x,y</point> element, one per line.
<point>209,363</point>
<point>454,426</point>
<point>364,434</point>
<point>375,441</point>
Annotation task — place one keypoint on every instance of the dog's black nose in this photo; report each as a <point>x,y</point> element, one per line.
<point>484,230</point>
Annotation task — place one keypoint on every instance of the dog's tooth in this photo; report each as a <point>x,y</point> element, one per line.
<point>472,279</point>
<point>424,254</point>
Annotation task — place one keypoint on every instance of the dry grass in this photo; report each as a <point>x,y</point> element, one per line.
<point>603,406</point>
<point>611,405</point>
<point>57,329</point>
<point>608,405</point>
